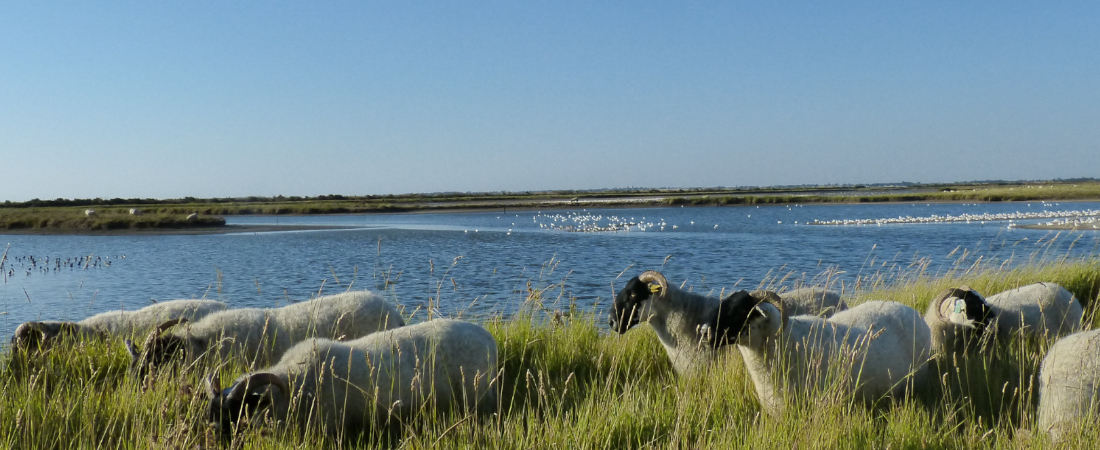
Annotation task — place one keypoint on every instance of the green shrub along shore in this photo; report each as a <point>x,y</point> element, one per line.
<point>65,215</point>
<point>566,382</point>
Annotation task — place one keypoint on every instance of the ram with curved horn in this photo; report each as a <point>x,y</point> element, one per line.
<point>676,315</point>
<point>960,318</point>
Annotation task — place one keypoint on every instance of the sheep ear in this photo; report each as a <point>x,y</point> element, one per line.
<point>133,351</point>
<point>213,386</point>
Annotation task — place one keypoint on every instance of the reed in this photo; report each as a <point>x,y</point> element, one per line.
<point>70,219</point>
<point>566,383</point>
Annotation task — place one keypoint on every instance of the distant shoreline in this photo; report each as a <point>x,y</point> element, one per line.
<point>226,229</point>
<point>205,216</point>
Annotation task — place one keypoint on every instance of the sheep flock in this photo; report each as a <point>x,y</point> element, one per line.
<point>348,363</point>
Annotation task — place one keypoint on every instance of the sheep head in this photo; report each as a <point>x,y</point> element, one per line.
<point>32,336</point>
<point>238,403</point>
<point>632,303</point>
<point>158,350</point>
<point>744,315</point>
<point>964,306</point>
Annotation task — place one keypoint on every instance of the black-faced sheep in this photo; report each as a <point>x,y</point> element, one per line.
<point>874,350</point>
<point>32,335</point>
<point>960,318</point>
<point>261,336</point>
<point>1069,384</point>
<point>347,387</point>
<point>676,315</point>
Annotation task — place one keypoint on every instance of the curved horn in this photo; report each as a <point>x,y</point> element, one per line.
<point>169,324</point>
<point>960,292</point>
<point>28,332</point>
<point>762,295</point>
<point>160,329</point>
<point>256,381</point>
<point>653,276</point>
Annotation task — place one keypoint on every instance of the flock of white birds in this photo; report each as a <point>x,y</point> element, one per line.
<point>595,222</point>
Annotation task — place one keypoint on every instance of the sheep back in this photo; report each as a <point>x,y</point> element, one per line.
<point>814,301</point>
<point>360,383</point>
<point>120,323</point>
<point>1041,309</point>
<point>877,344</point>
<point>900,344</point>
<point>144,320</point>
<point>261,336</point>
<point>1069,383</point>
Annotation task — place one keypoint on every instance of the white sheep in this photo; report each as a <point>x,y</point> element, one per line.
<point>114,323</point>
<point>262,335</point>
<point>812,301</point>
<point>1069,384</point>
<point>89,212</point>
<point>875,350</point>
<point>960,318</point>
<point>348,387</point>
<point>675,316</point>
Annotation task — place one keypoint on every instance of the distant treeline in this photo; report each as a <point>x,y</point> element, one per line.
<point>993,190</point>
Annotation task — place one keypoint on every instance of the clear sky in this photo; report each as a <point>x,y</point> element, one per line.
<point>214,99</point>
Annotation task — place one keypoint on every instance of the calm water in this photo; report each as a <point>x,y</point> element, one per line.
<point>480,264</point>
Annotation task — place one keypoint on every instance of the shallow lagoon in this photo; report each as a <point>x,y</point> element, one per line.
<point>485,263</point>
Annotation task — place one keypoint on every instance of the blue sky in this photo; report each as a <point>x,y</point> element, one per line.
<point>204,99</point>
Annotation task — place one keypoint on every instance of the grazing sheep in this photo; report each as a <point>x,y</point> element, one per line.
<point>89,212</point>
<point>875,350</point>
<point>135,212</point>
<point>32,335</point>
<point>960,318</point>
<point>192,217</point>
<point>347,387</point>
<point>262,335</point>
<point>1069,383</point>
<point>812,301</point>
<point>675,316</point>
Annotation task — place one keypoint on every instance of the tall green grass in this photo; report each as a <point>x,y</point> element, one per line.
<point>567,383</point>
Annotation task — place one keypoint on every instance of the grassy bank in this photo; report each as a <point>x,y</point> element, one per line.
<point>72,219</point>
<point>566,383</point>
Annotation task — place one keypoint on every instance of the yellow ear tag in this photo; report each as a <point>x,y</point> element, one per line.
<point>654,288</point>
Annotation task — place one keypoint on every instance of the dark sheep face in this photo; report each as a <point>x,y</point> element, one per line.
<point>225,410</point>
<point>34,336</point>
<point>626,309</point>
<point>974,306</point>
<point>157,353</point>
<point>733,314</point>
